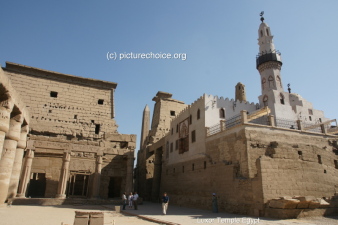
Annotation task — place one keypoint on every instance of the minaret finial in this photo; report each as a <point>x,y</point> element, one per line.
<point>289,89</point>
<point>261,15</point>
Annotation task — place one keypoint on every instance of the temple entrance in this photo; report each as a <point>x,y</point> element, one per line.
<point>114,188</point>
<point>77,185</point>
<point>37,185</point>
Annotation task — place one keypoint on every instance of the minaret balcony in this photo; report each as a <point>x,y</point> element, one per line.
<point>268,57</point>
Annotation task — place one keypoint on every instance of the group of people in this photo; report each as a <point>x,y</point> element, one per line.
<point>131,200</point>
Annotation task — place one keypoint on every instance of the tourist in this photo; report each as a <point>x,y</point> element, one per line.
<point>130,200</point>
<point>165,202</point>
<point>214,203</point>
<point>135,200</point>
<point>124,200</point>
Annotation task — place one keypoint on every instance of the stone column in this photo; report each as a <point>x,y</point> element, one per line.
<point>26,173</point>
<point>323,128</point>
<point>129,176</point>
<point>9,148</point>
<point>299,125</point>
<point>244,117</point>
<point>97,177</point>
<point>61,192</point>
<point>272,120</point>
<point>6,107</point>
<point>14,182</point>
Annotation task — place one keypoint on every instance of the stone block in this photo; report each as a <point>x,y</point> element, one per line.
<point>81,218</point>
<point>118,209</point>
<point>96,218</point>
<point>284,203</point>
<point>323,203</point>
<point>314,204</point>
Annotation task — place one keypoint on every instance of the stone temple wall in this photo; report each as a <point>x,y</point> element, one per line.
<point>74,148</point>
<point>64,104</point>
<point>250,165</point>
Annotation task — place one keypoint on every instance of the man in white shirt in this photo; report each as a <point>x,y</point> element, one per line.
<point>124,200</point>
<point>135,200</point>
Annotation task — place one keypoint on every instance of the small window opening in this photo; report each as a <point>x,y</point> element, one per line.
<point>53,94</point>
<point>171,147</point>
<point>267,32</point>
<point>190,119</point>
<point>92,121</point>
<point>310,118</point>
<point>176,145</point>
<point>50,111</point>
<point>205,164</point>
<point>198,114</point>
<point>335,164</point>
<point>193,136</point>
<point>172,113</point>
<point>124,144</point>
<point>319,159</point>
<point>265,100</point>
<point>193,167</point>
<point>324,171</point>
<point>97,128</point>
<point>100,101</point>
<point>182,169</point>
<point>320,119</point>
<point>282,99</point>
<point>75,116</point>
<point>222,113</point>
<point>300,154</point>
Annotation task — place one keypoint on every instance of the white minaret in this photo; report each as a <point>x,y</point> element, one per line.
<point>269,64</point>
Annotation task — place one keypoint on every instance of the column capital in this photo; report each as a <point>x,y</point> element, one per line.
<point>6,107</point>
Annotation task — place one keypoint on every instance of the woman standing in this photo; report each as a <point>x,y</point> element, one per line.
<point>130,200</point>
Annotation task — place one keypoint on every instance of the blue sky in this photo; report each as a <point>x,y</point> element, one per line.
<point>219,38</point>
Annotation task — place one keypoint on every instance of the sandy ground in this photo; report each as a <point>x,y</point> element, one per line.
<point>50,215</point>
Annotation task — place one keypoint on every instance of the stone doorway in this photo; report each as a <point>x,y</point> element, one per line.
<point>37,185</point>
<point>114,188</point>
<point>78,185</point>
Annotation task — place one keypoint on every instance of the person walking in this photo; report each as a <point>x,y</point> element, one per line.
<point>135,200</point>
<point>124,200</point>
<point>214,203</point>
<point>165,202</point>
<point>130,200</point>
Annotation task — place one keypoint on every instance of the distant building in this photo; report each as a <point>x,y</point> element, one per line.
<point>73,148</point>
<point>249,154</point>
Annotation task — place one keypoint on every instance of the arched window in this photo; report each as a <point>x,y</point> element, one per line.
<point>267,32</point>
<point>261,33</point>
<point>263,83</point>
<point>265,100</point>
<point>270,79</point>
<point>282,99</point>
<point>221,113</point>
<point>279,81</point>
<point>198,114</point>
